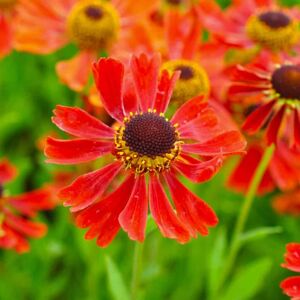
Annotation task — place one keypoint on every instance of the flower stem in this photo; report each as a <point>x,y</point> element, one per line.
<point>136,270</point>
<point>244,213</point>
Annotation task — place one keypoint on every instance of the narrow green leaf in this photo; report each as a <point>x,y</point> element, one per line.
<point>116,284</point>
<point>248,281</point>
<point>259,233</point>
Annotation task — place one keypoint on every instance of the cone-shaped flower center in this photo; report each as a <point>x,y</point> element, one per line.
<point>273,29</point>
<point>93,25</point>
<point>7,3</point>
<point>147,142</point>
<point>286,81</point>
<point>275,19</point>
<point>193,79</point>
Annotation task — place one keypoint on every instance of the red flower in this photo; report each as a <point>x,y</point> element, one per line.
<point>16,213</point>
<point>291,285</point>
<point>274,92</point>
<point>288,203</point>
<point>148,150</point>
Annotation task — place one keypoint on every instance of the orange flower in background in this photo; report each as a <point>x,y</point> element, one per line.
<point>252,23</point>
<point>291,285</point>
<point>92,25</point>
<point>273,91</point>
<point>147,149</point>
<point>16,212</point>
<point>288,203</point>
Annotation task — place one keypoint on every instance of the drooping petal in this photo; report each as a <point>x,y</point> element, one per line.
<point>11,239</point>
<point>7,171</point>
<point>75,151</point>
<point>102,217</point>
<point>89,187</point>
<point>230,142</point>
<point>108,76</point>
<point>145,75</point>
<point>75,72</point>
<point>292,257</point>
<point>291,287</point>
<point>163,213</point>
<point>6,38</point>
<point>258,118</point>
<point>296,127</point>
<point>200,171</point>
<point>192,211</point>
<point>243,74</point>
<point>164,90</point>
<point>238,90</point>
<point>134,216</point>
<point>273,128</point>
<point>79,123</point>
<point>189,110</point>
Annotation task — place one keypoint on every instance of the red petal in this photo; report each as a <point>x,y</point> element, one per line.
<point>165,90</point>
<point>291,286</point>
<point>102,217</point>
<point>145,76</point>
<point>200,171</point>
<point>292,257</point>
<point>7,171</point>
<point>238,90</point>
<point>189,110</point>
<point>243,74</point>
<point>75,151</point>
<point>75,72</point>
<point>129,96</point>
<point>274,126</point>
<point>134,216</point>
<point>163,213</point>
<point>258,118</point>
<point>6,36</point>
<point>192,210</point>
<point>296,127</point>
<point>108,75</point>
<point>230,142</point>
<point>78,122</point>
<point>89,187</point>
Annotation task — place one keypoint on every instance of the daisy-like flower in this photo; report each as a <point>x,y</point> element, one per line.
<point>146,149</point>
<point>252,23</point>
<point>16,212</point>
<point>288,203</point>
<point>273,90</point>
<point>291,285</point>
<point>92,25</point>
<point>7,15</point>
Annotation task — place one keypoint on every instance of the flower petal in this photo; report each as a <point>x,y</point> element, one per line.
<point>165,89</point>
<point>75,72</point>
<point>145,75</point>
<point>89,187</point>
<point>258,118</point>
<point>292,257</point>
<point>108,75</point>
<point>200,171</point>
<point>192,211</point>
<point>230,142</point>
<point>291,287</point>
<point>79,123</point>
<point>6,36</point>
<point>243,74</point>
<point>7,171</point>
<point>134,216</point>
<point>75,151</point>
<point>163,213</point>
<point>272,131</point>
<point>102,217</point>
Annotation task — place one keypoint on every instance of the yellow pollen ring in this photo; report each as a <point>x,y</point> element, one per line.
<point>186,89</point>
<point>276,39</point>
<point>142,164</point>
<point>94,31</point>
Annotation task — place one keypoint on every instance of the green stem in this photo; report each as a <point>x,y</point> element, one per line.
<point>136,270</point>
<point>244,213</point>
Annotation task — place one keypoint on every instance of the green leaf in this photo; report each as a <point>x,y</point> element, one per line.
<point>248,281</point>
<point>259,233</point>
<point>116,284</point>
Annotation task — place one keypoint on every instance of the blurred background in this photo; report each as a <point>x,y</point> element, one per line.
<point>63,265</point>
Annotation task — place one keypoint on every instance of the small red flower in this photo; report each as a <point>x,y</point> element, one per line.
<point>16,212</point>
<point>291,285</point>
<point>273,90</point>
<point>147,150</point>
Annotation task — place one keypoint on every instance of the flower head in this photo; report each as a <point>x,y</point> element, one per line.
<point>147,150</point>
<point>291,285</point>
<point>16,212</point>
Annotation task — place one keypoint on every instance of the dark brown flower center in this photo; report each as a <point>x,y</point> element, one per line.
<point>149,134</point>
<point>186,72</point>
<point>275,19</point>
<point>286,82</point>
<point>94,12</point>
